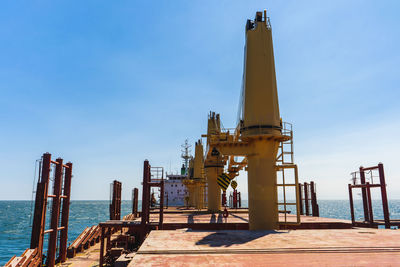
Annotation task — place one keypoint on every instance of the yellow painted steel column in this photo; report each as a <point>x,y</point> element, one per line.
<point>263,210</point>
<point>260,106</point>
<point>191,195</point>
<point>195,194</point>
<point>214,191</point>
<point>261,123</point>
<point>198,166</point>
<point>213,164</point>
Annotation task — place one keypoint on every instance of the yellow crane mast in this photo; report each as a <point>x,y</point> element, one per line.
<point>258,135</point>
<point>195,181</point>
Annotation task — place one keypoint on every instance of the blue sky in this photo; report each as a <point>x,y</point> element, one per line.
<point>107,85</point>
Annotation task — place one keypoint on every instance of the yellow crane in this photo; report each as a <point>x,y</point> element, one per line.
<point>256,138</point>
<point>195,183</point>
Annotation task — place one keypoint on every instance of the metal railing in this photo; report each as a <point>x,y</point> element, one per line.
<point>286,146</point>
<point>156,174</point>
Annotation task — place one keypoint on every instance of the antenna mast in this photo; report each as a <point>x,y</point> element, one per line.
<point>186,155</point>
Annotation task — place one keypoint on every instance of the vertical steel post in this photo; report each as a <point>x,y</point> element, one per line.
<point>39,217</point>
<point>112,208</point>
<point>312,197</point>
<point>135,202</point>
<point>301,199</point>
<point>370,213</point>
<point>65,212</point>
<point>161,204</point>
<point>364,194</point>
<point>113,212</point>
<point>314,204</point>
<point>385,205</point>
<point>118,200</point>
<point>223,198</point>
<point>351,204</point>
<point>102,246</point>
<point>235,199</point>
<point>145,193</point>
<point>108,235</point>
<point>306,199</point>
<point>55,213</point>
<point>240,201</point>
<point>115,206</point>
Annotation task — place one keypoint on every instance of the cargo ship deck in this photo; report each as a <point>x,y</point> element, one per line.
<point>185,247</point>
<point>187,240</point>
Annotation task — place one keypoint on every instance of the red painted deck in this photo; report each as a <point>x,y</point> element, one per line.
<point>350,247</point>
<point>186,219</point>
<point>174,215</point>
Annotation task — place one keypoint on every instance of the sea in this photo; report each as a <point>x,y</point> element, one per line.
<point>16,219</point>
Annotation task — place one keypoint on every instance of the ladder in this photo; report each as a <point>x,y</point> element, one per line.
<point>285,165</point>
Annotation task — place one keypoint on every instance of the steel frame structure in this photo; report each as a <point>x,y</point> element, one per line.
<point>366,196</point>
<point>60,198</point>
<point>308,195</point>
<point>115,205</point>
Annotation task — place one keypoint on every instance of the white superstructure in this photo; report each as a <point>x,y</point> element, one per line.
<point>174,190</point>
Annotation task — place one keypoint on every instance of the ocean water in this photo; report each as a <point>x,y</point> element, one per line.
<point>15,219</point>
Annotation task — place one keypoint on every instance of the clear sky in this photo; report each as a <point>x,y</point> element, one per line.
<point>108,84</point>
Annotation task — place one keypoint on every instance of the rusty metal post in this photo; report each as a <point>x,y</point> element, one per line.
<point>370,213</point>
<point>55,213</point>
<point>223,198</point>
<point>135,202</point>
<point>240,201</point>
<point>314,203</point>
<point>385,204</point>
<point>235,199</point>
<point>112,206</point>
<point>115,205</point>
<point>351,204</point>
<point>312,197</point>
<point>364,194</point>
<point>145,193</point>
<point>102,246</point>
<point>116,187</point>
<point>65,212</point>
<point>301,199</point>
<point>109,233</point>
<point>118,201</point>
<point>39,217</point>
<point>161,204</point>
<point>306,199</point>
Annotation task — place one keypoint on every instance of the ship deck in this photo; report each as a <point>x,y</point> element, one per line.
<point>175,218</point>
<point>200,238</point>
<point>344,247</point>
